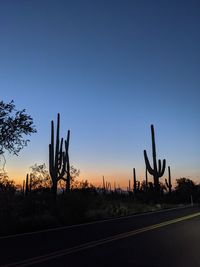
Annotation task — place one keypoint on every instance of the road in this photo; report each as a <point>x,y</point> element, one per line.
<point>168,238</point>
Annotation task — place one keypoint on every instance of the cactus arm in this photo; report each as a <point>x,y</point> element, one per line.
<point>60,158</point>
<point>169,178</point>
<point>163,168</point>
<point>169,173</point>
<point>153,149</point>
<point>52,142</point>
<point>67,141</point>
<point>159,166</point>
<point>51,162</point>
<point>57,143</point>
<point>63,169</point>
<point>67,161</point>
<point>148,166</point>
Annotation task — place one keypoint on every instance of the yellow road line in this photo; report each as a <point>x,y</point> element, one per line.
<point>92,244</point>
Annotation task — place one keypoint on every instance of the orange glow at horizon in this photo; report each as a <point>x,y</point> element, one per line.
<point>120,180</point>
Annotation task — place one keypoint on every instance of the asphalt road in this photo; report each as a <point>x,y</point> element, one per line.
<point>168,238</point>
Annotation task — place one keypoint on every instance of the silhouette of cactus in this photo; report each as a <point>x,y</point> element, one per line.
<point>58,160</point>
<point>136,184</point>
<point>146,178</point>
<point>23,187</point>
<point>27,185</point>
<point>134,181</point>
<point>157,170</point>
<point>129,185</point>
<point>30,183</point>
<point>68,178</point>
<point>104,187</point>
<point>168,183</point>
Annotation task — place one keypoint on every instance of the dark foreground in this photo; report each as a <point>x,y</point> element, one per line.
<point>151,240</point>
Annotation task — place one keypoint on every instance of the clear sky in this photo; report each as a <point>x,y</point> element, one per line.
<point>111,68</point>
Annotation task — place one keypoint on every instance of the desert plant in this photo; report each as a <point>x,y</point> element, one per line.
<point>58,160</point>
<point>6,185</point>
<point>68,178</point>
<point>27,185</point>
<point>40,178</point>
<point>168,183</point>
<point>157,170</point>
<point>134,181</point>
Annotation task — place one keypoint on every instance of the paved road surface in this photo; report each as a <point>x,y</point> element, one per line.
<point>170,238</point>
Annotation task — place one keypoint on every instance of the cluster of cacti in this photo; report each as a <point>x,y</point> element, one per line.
<point>158,169</point>
<point>26,187</point>
<point>136,184</point>
<point>168,183</point>
<point>59,166</point>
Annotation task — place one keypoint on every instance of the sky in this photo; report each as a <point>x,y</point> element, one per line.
<point>111,68</point>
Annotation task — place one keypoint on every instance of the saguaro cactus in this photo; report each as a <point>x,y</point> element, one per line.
<point>168,183</point>
<point>134,181</point>
<point>57,158</point>
<point>157,170</point>
<point>27,185</point>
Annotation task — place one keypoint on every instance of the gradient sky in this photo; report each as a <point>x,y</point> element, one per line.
<point>111,68</point>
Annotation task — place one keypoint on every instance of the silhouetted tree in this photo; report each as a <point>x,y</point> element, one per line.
<point>39,177</point>
<point>6,184</point>
<point>74,173</point>
<point>185,188</point>
<point>13,126</point>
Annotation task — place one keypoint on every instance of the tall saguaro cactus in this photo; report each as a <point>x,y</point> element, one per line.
<point>158,169</point>
<point>58,159</point>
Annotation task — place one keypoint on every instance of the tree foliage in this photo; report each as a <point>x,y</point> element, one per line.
<point>185,188</point>
<point>13,126</point>
<point>6,185</point>
<point>74,173</point>
<point>40,178</point>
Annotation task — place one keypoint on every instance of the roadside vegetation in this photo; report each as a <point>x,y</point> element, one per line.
<point>55,197</point>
